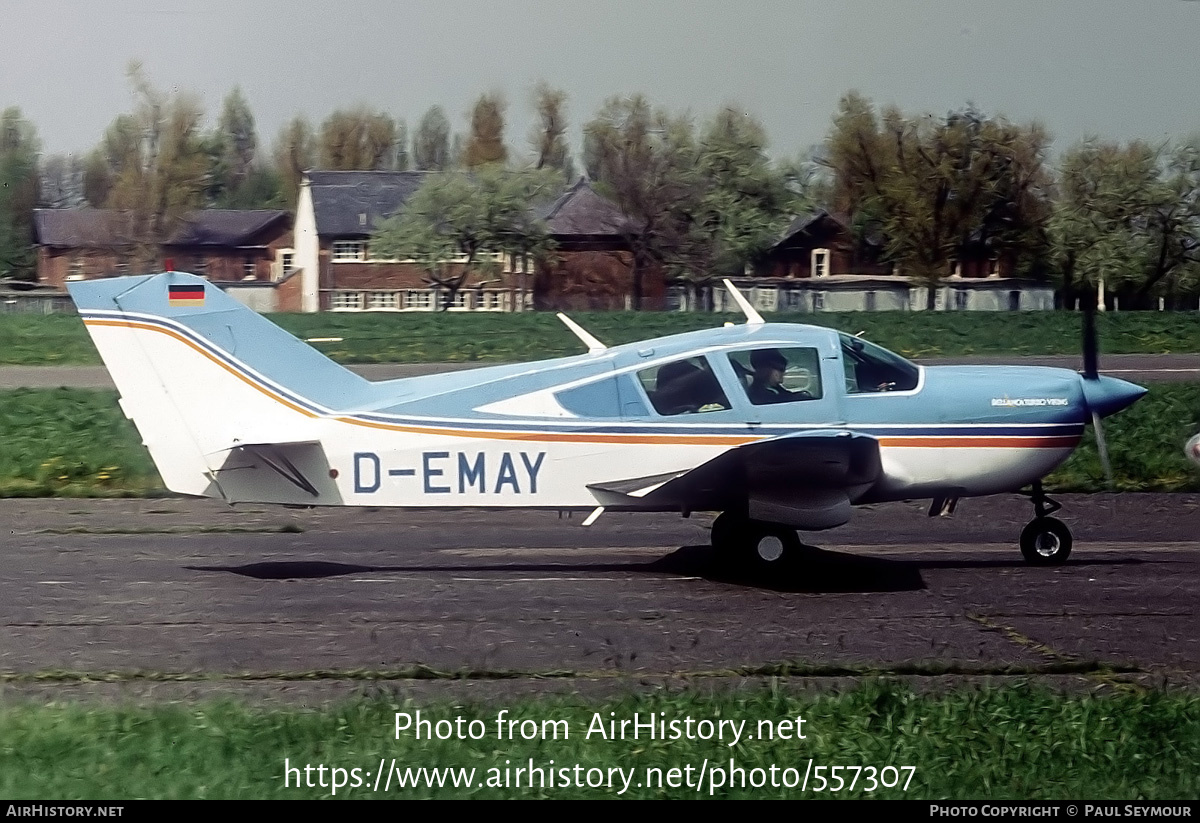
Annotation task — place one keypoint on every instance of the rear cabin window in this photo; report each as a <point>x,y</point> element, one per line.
<point>778,375</point>
<point>685,386</point>
<point>870,368</point>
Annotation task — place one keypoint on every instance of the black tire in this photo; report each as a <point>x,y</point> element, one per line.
<point>758,545</point>
<point>729,532</point>
<point>1046,542</point>
<point>770,546</point>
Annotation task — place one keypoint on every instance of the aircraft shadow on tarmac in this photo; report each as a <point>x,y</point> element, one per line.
<point>812,570</point>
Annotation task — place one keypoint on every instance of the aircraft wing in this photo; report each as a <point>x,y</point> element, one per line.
<point>806,479</point>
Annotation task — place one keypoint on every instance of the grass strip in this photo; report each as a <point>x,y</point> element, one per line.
<point>1018,743</point>
<point>420,337</point>
<point>421,672</point>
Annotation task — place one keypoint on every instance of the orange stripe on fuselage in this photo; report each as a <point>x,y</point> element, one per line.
<point>980,442</point>
<point>571,437</point>
<point>130,324</point>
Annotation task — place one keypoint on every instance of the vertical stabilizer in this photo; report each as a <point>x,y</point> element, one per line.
<point>200,373</point>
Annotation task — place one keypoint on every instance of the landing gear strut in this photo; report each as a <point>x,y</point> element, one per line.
<point>1045,541</point>
<point>760,545</point>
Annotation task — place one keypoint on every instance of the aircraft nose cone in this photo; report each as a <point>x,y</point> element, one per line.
<point>1108,395</point>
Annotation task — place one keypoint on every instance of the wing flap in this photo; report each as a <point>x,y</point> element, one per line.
<point>807,479</point>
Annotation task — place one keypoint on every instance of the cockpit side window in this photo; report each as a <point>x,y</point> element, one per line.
<point>778,375</point>
<point>871,368</point>
<point>683,386</point>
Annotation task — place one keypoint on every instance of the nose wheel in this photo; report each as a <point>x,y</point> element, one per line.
<point>1046,541</point>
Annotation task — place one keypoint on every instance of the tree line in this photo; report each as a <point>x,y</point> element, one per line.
<point>703,200</point>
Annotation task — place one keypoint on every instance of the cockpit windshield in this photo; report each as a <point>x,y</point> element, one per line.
<point>871,368</point>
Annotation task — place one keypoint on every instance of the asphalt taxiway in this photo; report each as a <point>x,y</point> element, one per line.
<point>173,591</point>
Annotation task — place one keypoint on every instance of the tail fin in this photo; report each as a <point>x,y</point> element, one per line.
<point>200,374</point>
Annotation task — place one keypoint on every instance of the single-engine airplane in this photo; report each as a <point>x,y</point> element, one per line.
<point>776,427</point>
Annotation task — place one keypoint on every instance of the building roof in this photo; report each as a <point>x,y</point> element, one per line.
<point>99,228</point>
<point>351,203</point>
<point>805,223</point>
<point>224,227</point>
<point>80,228</point>
<point>347,203</point>
<point>580,210</point>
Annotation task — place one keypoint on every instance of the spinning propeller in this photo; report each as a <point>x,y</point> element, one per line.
<point>1091,371</point>
<point>1104,395</point>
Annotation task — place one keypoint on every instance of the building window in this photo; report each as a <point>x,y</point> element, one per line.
<point>460,302</point>
<point>349,251</point>
<point>249,269</point>
<point>961,297</point>
<point>287,260</point>
<point>200,267</point>
<point>818,301</point>
<point>418,300</point>
<point>869,301</point>
<point>517,264</point>
<point>347,301</point>
<point>75,269</point>
<point>383,301</point>
<point>491,301</point>
<point>766,299</point>
<point>820,263</point>
<point>1014,301</point>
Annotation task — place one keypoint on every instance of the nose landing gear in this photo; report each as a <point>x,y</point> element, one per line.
<point>1046,541</point>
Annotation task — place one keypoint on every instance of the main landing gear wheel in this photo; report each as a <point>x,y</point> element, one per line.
<point>760,545</point>
<point>1045,541</point>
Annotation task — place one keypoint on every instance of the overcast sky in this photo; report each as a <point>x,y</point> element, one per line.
<point>1120,69</point>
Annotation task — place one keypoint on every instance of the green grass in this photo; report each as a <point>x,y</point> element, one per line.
<point>416,337</point>
<point>71,443</point>
<point>1145,446</point>
<point>76,443</point>
<point>1020,743</point>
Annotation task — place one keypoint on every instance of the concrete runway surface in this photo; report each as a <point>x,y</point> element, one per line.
<point>294,604</point>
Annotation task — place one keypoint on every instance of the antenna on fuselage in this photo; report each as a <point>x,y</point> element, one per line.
<point>594,345</point>
<point>753,318</point>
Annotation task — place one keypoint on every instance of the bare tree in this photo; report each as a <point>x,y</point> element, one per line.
<point>431,143</point>
<point>295,153</point>
<point>548,136</point>
<point>486,141</point>
<point>357,139</point>
<point>646,161</point>
<point>62,185</point>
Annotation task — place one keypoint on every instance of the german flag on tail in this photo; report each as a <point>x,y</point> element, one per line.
<point>180,296</point>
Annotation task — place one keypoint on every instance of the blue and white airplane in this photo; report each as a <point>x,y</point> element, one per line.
<point>777,427</point>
